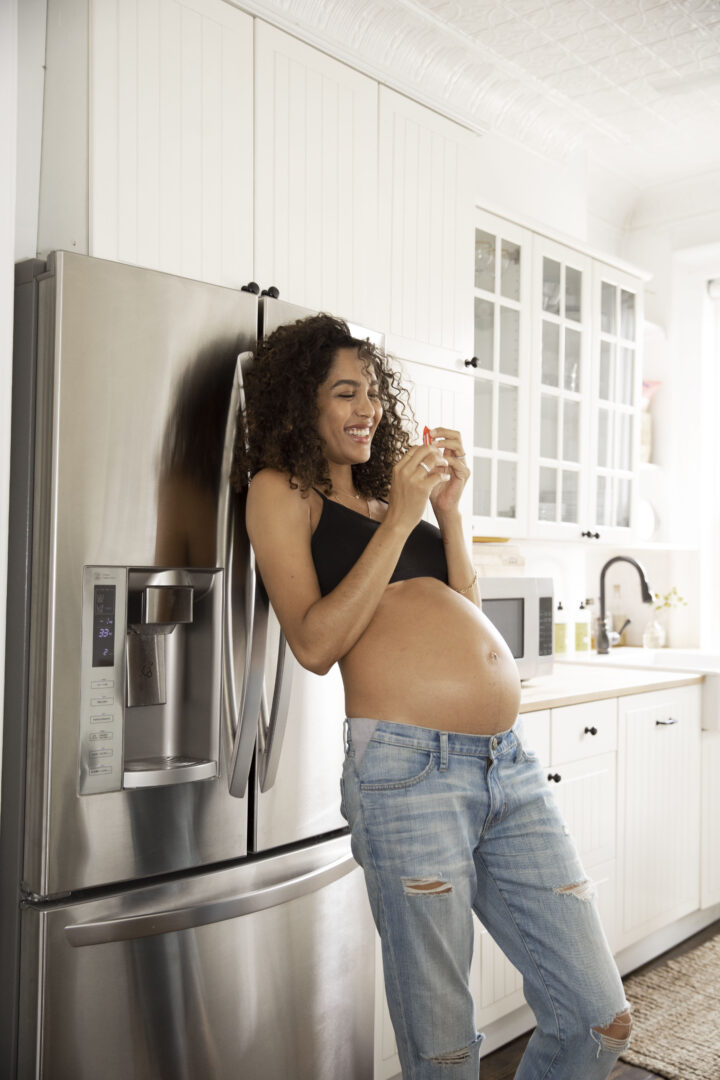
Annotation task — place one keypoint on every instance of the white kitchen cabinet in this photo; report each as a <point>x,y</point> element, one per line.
<point>710,834</point>
<point>500,363</point>
<point>441,398</point>
<point>561,389</point>
<point>170,137</point>
<point>425,254</point>
<point>659,810</point>
<point>616,390</point>
<point>316,203</point>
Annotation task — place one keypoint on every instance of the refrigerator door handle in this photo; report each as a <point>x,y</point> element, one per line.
<point>129,927</point>
<point>241,719</point>
<point>272,734</point>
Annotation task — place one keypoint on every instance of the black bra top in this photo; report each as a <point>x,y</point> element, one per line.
<point>342,535</point>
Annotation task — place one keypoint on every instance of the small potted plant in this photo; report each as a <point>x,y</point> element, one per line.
<point>654,634</point>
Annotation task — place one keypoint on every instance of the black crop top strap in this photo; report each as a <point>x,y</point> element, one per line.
<point>343,534</point>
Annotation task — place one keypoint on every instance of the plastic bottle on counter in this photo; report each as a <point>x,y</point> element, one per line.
<point>560,630</point>
<point>582,629</point>
<point>619,618</point>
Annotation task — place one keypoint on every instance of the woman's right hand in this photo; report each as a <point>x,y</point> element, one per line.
<point>415,475</point>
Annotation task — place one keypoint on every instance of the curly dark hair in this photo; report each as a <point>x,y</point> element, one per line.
<point>281,388</point>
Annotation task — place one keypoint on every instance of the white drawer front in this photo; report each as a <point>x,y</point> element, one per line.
<point>579,731</point>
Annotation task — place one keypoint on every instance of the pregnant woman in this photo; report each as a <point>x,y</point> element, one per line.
<point>450,812</point>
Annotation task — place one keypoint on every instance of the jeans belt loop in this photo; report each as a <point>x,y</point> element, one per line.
<point>346,734</point>
<point>443,751</point>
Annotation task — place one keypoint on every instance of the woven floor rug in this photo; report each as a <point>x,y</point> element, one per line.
<point>676,1016</point>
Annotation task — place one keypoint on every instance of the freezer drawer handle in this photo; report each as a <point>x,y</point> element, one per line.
<point>128,928</point>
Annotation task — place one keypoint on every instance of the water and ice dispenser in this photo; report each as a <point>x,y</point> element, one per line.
<point>151,677</point>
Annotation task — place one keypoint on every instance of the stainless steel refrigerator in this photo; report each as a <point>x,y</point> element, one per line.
<point>178,898</point>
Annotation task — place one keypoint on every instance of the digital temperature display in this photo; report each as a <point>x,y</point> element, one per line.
<point>103,652</point>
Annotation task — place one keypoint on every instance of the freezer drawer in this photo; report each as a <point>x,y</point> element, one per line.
<point>260,972</point>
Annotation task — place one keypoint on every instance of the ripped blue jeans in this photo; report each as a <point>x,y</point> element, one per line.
<point>445,824</point>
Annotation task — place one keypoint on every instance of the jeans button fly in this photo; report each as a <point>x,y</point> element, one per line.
<point>493,744</point>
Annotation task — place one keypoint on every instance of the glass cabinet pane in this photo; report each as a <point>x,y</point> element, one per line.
<point>509,341</point>
<point>551,286</point>
<point>622,502</point>
<point>550,353</point>
<point>572,359</point>
<point>570,486</point>
<point>571,431</point>
<point>624,425</point>
<point>507,489</point>
<point>510,270</point>
<point>607,354</point>
<point>573,294</point>
<point>484,260</point>
<point>548,426</point>
<point>481,486</point>
<point>602,507</point>
<point>627,315</point>
<point>604,437</point>
<point>508,418</point>
<point>483,413</point>
<point>484,320</point>
<point>626,376</point>
<point>608,300</point>
<point>547,503</point>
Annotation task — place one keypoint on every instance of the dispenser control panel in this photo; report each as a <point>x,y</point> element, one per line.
<point>104,620</point>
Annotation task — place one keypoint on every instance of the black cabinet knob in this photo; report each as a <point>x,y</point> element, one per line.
<point>556,777</point>
<point>472,362</point>
<point>251,287</point>
<point>272,291</point>
<point>591,731</point>
<point>591,535</point>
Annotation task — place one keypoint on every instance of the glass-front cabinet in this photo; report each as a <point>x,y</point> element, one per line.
<point>561,386</point>
<point>617,388</point>
<point>500,384</point>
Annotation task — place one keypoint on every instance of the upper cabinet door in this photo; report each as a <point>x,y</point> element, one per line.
<point>562,388</point>
<point>426,223</point>
<point>315,179</point>
<point>171,137</point>
<point>501,384</point>
<point>617,386</point>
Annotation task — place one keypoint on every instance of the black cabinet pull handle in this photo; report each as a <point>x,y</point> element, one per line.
<point>472,362</point>
<point>666,723</point>
<point>591,731</point>
<point>556,777</point>
<point>591,535</point>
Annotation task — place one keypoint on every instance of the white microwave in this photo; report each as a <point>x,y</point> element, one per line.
<point>521,608</point>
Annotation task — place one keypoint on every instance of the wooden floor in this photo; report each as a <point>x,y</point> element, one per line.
<point>502,1064</point>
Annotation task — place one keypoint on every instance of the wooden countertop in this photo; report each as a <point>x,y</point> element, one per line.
<point>571,684</point>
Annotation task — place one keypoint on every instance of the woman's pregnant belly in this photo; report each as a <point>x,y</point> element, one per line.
<point>430,657</point>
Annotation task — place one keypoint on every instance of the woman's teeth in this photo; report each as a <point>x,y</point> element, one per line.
<point>358,433</point>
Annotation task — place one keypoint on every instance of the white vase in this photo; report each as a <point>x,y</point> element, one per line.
<point>654,635</point>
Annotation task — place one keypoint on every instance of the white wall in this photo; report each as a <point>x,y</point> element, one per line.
<point>8,133</point>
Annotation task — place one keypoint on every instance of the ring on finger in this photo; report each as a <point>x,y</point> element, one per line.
<point>427,470</point>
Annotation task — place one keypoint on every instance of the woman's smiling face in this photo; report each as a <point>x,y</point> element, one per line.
<point>349,409</point>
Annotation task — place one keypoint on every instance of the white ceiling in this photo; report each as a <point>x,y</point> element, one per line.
<point>633,83</point>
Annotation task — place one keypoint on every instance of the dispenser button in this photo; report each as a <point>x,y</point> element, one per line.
<point>102,684</point>
<point>101,736</point>
<point>95,755</point>
<point>100,770</point>
<point>102,718</point>
<point>103,699</point>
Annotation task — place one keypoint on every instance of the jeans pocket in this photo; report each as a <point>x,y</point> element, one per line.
<point>387,767</point>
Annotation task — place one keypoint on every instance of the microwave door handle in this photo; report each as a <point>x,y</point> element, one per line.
<point>236,716</point>
<point>274,735</point>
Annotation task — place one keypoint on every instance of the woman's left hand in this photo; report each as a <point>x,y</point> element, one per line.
<point>445,497</point>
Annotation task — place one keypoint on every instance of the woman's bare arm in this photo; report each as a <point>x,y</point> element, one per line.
<point>322,629</point>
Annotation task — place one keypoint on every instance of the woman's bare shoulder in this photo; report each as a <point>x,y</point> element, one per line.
<point>271,491</point>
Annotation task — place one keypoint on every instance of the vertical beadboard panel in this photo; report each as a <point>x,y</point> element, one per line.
<point>171,136</point>
<point>427,229</point>
<point>710,838</point>
<point>315,178</point>
<point>587,801</point>
<point>660,808</point>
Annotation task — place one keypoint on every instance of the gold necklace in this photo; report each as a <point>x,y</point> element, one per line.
<point>357,498</point>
